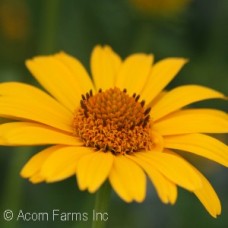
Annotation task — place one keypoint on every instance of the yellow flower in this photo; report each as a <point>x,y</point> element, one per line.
<point>14,20</point>
<point>118,126</point>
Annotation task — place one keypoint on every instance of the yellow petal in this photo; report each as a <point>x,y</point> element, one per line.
<point>156,100</point>
<point>193,121</point>
<point>161,74</point>
<point>206,194</point>
<point>24,133</point>
<point>158,141</point>
<point>172,167</point>
<point>21,101</point>
<point>167,190</point>
<point>128,179</point>
<point>93,170</point>
<point>36,179</point>
<point>180,97</point>
<point>118,185</point>
<point>63,163</point>
<point>105,64</point>
<point>134,73</point>
<point>208,197</point>
<point>33,166</point>
<point>62,76</point>
<point>199,144</point>
<point>77,71</point>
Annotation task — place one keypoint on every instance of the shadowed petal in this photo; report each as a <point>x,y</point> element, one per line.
<point>193,121</point>
<point>208,197</point>
<point>93,170</point>
<point>206,194</point>
<point>134,73</point>
<point>105,64</point>
<point>128,179</point>
<point>180,97</point>
<point>199,144</point>
<point>172,167</point>
<point>22,101</point>
<point>62,76</point>
<point>24,133</point>
<point>33,166</point>
<point>160,76</point>
<point>36,179</point>
<point>167,190</point>
<point>63,163</point>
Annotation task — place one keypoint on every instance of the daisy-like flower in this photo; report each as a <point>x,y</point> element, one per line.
<point>120,125</point>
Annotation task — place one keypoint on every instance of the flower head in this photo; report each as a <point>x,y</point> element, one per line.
<point>120,125</point>
<point>14,20</point>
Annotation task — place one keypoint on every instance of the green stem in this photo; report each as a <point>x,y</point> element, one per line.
<point>101,206</point>
<point>13,187</point>
<point>49,26</point>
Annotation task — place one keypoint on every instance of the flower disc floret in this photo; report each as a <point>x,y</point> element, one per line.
<point>113,121</point>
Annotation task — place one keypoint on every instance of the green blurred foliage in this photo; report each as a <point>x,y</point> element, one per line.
<point>29,28</point>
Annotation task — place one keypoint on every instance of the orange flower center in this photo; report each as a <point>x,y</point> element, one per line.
<point>113,121</point>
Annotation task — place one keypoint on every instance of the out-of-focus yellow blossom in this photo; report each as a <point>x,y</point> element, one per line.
<point>14,20</point>
<point>160,7</point>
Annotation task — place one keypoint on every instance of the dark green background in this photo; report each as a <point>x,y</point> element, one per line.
<point>29,28</point>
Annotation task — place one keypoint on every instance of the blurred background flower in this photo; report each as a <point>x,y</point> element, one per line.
<point>14,20</point>
<point>160,7</point>
<point>197,30</point>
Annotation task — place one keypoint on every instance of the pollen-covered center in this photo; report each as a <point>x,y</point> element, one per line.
<point>113,121</point>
